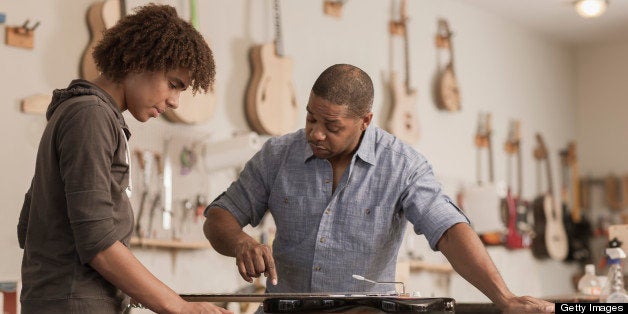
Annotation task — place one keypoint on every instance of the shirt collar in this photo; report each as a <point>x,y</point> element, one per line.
<point>366,150</point>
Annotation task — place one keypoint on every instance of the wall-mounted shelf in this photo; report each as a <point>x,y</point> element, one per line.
<point>169,244</point>
<point>417,266</point>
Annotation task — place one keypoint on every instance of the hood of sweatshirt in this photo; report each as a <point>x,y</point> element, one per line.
<point>82,87</point>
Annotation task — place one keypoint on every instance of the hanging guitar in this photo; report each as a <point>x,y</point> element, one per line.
<point>550,238</point>
<point>271,105</point>
<point>447,92</point>
<point>577,226</point>
<point>101,15</point>
<point>514,208</point>
<point>333,7</point>
<point>193,108</point>
<point>481,201</point>
<point>403,122</point>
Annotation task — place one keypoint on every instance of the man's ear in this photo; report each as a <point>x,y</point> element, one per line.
<point>366,121</point>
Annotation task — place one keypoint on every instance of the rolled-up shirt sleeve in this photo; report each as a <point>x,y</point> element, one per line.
<point>86,146</point>
<point>427,207</point>
<point>247,198</point>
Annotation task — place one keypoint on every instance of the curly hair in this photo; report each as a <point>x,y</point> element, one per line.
<point>155,39</point>
<point>348,85</point>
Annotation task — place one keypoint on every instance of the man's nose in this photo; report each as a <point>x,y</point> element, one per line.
<point>173,101</point>
<point>317,134</point>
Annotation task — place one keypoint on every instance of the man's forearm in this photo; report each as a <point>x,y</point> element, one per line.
<point>466,253</point>
<point>120,267</point>
<point>223,231</point>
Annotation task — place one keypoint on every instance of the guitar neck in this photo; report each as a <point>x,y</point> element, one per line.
<point>576,215</point>
<point>406,44</point>
<point>194,13</point>
<point>519,173</point>
<point>278,36</point>
<point>122,8</point>
<point>260,297</point>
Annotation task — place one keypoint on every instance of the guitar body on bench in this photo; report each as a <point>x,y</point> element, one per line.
<point>271,104</point>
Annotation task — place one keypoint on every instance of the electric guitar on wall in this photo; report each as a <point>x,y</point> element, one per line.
<point>101,15</point>
<point>193,108</point>
<point>514,208</point>
<point>550,238</point>
<point>577,226</point>
<point>271,105</point>
<point>403,122</point>
<point>481,201</point>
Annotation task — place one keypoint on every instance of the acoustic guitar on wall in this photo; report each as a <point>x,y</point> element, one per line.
<point>550,238</point>
<point>101,15</point>
<point>447,92</point>
<point>403,121</point>
<point>193,108</point>
<point>271,105</point>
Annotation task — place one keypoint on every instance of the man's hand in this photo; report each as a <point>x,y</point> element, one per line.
<point>253,259</point>
<point>526,304</point>
<point>202,308</point>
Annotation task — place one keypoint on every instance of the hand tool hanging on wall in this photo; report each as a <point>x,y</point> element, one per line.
<point>145,159</point>
<point>157,197</point>
<point>21,36</point>
<point>167,185</point>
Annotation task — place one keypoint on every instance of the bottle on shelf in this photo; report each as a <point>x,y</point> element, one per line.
<point>589,284</point>
<point>614,291</point>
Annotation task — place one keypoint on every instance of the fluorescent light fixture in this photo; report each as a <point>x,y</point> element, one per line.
<point>590,8</point>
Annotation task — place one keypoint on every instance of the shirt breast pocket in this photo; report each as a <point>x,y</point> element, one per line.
<point>368,228</point>
<point>292,219</point>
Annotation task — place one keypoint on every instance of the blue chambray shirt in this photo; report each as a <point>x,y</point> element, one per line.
<point>323,238</point>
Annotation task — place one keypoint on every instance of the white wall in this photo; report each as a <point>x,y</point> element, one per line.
<point>602,99</point>
<point>501,68</point>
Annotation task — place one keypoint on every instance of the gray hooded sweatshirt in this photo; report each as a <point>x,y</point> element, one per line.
<point>76,206</point>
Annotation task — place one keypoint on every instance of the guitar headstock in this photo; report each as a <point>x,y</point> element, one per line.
<point>483,133</point>
<point>398,27</point>
<point>443,34</point>
<point>571,154</point>
<point>514,137</point>
<point>540,151</point>
<point>333,7</point>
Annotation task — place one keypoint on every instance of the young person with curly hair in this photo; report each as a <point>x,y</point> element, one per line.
<point>77,220</point>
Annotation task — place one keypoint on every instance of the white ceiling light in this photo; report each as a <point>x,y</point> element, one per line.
<point>590,8</point>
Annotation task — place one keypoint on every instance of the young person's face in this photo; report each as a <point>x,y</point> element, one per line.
<point>330,129</point>
<point>149,94</point>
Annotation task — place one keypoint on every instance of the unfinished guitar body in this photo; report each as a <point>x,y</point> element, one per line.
<point>96,24</point>
<point>101,15</point>
<point>271,104</point>
<point>403,122</point>
<point>448,94</point>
